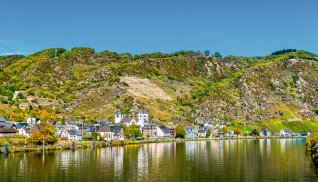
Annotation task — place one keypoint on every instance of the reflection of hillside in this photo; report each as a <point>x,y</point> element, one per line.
<point>216,160</point>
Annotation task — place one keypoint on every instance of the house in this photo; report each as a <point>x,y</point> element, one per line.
<point>149,131</point>
<point>127,121</point>
<point>5,132</point>
<point>103,121</point>
<point>118,116</point>
<point>3,120</point>
<point>143,117</point>
<point>230,133</point>
<point>163,132</point>
<point>202,133</point>
<point>24,131</point>
<point>265,133</point>
<point>190,132</point>
<point>35,128</point>
<point>8,125</point>
<point>111,132</point>
<point>31,120</point>
<point>90,128</point>
<point>23,125</point>
<point>70,122</point>
<point>72,134</point>
<point>208,125</point>
<point>173,131</point>
<point>285,133</point>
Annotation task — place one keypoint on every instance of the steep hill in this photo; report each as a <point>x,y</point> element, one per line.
<point>183,86</point>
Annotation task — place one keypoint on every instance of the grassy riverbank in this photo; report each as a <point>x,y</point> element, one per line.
<point>18,146</point>
<point>312,146</point>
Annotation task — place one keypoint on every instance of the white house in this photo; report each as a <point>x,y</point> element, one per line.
<point>143,117</point>
<point>285,132</point>
<point>190,133</point>
<point>118,116</point>
<point>31,120</point>
<point>163,132</point>
<point>24,131</point>
<point>202,133</point>
<point>72,134</point>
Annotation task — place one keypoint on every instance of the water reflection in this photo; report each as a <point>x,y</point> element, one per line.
<point>227,160</point>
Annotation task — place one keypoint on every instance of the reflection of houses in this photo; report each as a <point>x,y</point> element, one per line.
<point>72,134</point>
<point>163,132</point>
<point>149,131</point>
<point>111,132</point>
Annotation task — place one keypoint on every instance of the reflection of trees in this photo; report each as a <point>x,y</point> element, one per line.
<point>216,160</point>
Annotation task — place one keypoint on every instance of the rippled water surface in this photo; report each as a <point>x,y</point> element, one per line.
<point>226,160</point>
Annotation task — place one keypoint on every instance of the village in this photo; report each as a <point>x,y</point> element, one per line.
<point>73,130</point>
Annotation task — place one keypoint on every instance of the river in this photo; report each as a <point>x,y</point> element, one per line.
<point>215,160</point>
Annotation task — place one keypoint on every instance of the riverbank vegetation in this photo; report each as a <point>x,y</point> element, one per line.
<point>312,146</point>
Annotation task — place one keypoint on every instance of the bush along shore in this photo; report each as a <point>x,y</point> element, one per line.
<point>14,146</point>
<point>312,147</point>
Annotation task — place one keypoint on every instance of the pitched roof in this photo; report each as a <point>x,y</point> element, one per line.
<point>150,126</point>
<point>287,131</point>
<point>74,132</point>
<point>104,128</point>
<point>164,129</point>
<point>143,111</point>
<point>126,120</point>
<point>115,128</point>
<point>2,119</point>
<point>202,130</point>
<point>118,112</point>
<point>23,124</point>
<point>35,128</point>
<point>8,130</point>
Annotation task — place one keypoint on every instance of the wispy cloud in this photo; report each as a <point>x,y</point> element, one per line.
<point>12,53</point>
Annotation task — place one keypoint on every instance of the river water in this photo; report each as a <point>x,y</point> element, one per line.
<point>217,160</point>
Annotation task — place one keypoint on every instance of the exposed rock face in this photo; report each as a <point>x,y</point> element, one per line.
<point>293,83</point>
<point>144,88</point>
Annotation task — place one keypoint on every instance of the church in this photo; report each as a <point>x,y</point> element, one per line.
<point>142,118</point>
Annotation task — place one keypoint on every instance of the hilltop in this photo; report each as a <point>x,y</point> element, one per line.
<point>185,86</point>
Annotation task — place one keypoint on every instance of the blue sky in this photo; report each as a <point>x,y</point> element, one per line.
<point>245,27</point>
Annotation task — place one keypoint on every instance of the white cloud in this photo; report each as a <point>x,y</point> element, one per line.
<point>12,53</point>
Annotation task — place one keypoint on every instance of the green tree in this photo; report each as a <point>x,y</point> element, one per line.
<point>255,132</point>
<point>208,133</point>
<point>132,131</point>
<point>218,55</point>
<point>180,131</point>
<point>87,136</point>
<point>94,135</point>
<point>47,134</point>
